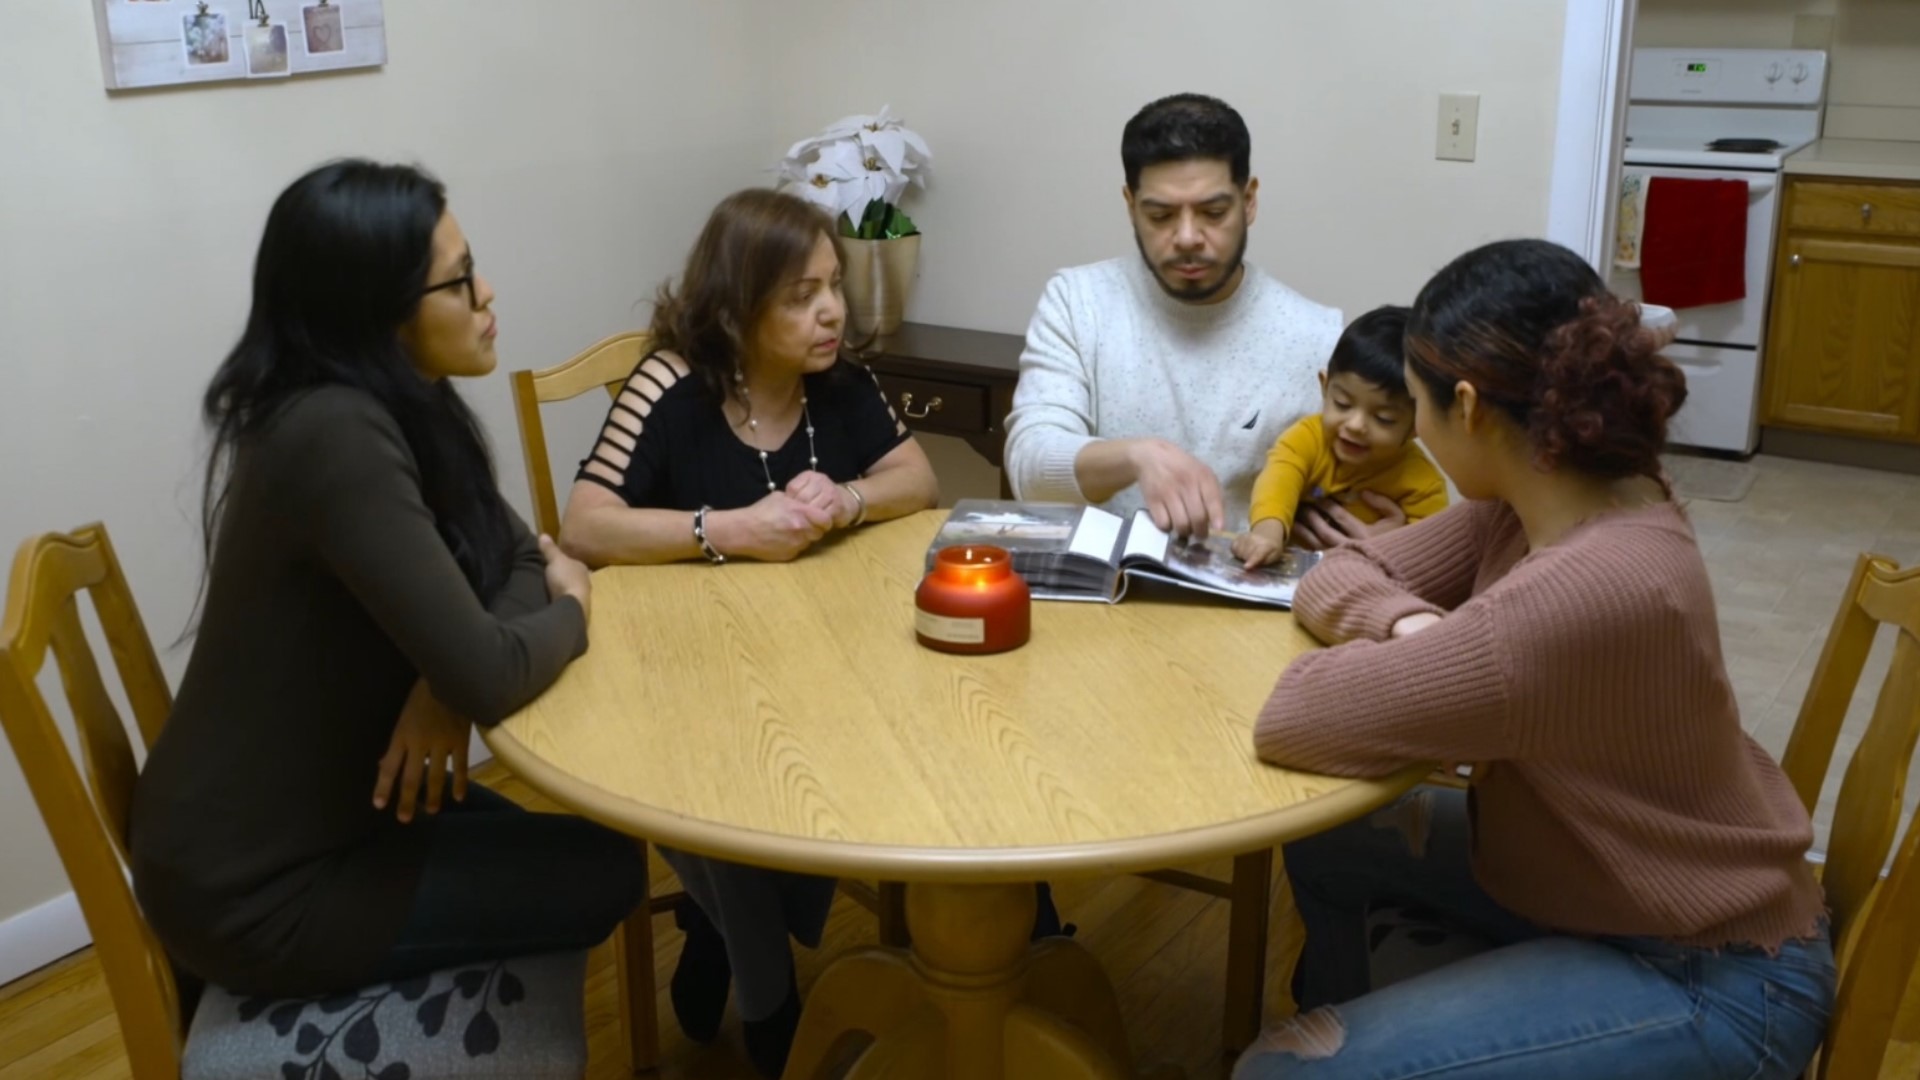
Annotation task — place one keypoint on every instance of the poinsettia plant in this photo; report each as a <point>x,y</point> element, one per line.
<point>857,169</point>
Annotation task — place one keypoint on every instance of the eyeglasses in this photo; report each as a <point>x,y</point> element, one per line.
<point>466,280</point>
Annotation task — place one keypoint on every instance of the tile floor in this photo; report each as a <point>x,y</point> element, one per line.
<point>1779,560</point>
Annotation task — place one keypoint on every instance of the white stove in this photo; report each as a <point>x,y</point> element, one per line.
<point>1690,152</point>
<point>1722,114</point>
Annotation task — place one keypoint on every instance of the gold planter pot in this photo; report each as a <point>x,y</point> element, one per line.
<point>876,279</point>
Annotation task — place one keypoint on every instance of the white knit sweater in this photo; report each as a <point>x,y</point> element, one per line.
<point>1111,356</point>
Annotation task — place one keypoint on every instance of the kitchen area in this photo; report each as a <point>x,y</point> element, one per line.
<point>1771,196</point>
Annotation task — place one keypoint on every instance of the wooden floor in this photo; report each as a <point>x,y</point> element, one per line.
<point>1165,949</point>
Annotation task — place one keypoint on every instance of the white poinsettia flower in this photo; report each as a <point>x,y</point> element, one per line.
<point>842,130</point>
<point>839,180</point>
<point>852,125</point>
<point>854,161</point>
<point>903,151</point>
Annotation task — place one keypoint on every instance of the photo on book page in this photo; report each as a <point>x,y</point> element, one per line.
<point>1211,562</point>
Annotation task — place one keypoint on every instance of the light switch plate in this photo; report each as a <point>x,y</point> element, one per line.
<point>1458,135</point>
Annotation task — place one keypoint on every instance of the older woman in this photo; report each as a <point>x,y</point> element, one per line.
<point>746,435</point>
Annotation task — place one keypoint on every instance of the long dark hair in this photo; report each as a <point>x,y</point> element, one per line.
<point>753,242</point>
<point>1536,332</point>
<point>345,255</point>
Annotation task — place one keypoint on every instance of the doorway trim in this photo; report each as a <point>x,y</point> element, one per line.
<point>1596,52</point>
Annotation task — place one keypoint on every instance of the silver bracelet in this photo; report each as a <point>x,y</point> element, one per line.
<point>860,505</point>
<point>700,534</point>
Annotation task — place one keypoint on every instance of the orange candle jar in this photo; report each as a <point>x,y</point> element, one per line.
<point>972,602</point>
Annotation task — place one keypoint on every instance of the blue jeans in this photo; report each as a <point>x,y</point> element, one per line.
<point>1539,1005</point>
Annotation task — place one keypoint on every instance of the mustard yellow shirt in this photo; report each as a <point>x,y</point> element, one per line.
<point>1301,466</point>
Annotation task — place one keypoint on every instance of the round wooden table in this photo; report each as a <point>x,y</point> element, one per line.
<point>784,716</point>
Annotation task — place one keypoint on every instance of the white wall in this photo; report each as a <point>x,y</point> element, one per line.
<point>1023,104</point>
<point>581,168</point>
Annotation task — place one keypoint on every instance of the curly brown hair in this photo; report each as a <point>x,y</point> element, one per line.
<point>754,241</point>
<point>1533,328</point>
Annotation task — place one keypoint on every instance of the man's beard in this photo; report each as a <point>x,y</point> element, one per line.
<point>1195,293</point>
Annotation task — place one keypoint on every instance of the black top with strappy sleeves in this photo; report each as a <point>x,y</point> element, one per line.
<point>667,444</point>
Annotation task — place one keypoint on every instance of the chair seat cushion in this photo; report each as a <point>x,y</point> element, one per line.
<point>520,1018</point>
<point>1406,940</point>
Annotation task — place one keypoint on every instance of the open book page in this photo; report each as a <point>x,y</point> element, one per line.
<point>1145,540</point>
<point>1098,535</point>
<point>1210,565</point>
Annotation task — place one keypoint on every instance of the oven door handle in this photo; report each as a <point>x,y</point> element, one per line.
<point>1757,186</point>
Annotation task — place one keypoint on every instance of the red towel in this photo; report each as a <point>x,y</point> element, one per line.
<point>1694,249</point>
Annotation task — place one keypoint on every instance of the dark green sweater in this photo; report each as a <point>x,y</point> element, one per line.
<point>256,851</point>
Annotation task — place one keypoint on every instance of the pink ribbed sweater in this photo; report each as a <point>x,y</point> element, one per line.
<point>1614,790</point>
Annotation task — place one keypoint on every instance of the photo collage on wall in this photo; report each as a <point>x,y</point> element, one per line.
<point>167,42</point>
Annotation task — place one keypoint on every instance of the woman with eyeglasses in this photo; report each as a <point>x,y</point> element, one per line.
<point>304,824</point>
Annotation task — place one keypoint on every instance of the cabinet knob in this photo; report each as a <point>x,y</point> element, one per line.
<point>932,406</point>
<point>1866,213</point>
<point>1794,262</point>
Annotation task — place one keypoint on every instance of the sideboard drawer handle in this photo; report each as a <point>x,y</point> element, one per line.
<point>906,406</point>
<point>1866,213</point>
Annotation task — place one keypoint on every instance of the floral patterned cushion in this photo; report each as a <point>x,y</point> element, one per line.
<point>518,1018</point>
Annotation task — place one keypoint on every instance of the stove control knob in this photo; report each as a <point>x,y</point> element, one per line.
<point>1775,70</point>
<point>1800,73</point>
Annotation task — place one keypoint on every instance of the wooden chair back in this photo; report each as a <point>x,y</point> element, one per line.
<point>85,804</point>
<point>1876,920</point>
<point>605,365</point>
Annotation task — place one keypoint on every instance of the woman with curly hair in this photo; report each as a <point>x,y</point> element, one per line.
<point>1638,861</point>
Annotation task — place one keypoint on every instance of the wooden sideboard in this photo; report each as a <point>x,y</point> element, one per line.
<point>947,381</point>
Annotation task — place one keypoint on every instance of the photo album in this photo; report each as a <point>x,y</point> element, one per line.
<point>1069,552</point>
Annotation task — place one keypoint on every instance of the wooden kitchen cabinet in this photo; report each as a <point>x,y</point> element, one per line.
<point>1843,347</point>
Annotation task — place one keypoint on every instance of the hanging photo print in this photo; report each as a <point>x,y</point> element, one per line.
<point>324,32</point>
<point>266,44</point>
<point>204,33</point>
<point>147,43</point>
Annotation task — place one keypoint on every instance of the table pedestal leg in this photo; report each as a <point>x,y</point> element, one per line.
<point>973,999</point>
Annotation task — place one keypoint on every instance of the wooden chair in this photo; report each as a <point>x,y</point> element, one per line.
<point>86,808</point>
<point>1249,897</point>
<point>88,816</point>
<point>606,366</point>
<point>1876,920</point>
<point>603,366</point>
